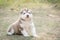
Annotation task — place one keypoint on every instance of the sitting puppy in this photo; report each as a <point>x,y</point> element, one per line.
<point>23,24</point>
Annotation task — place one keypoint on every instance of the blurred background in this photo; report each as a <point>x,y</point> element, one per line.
<point>46,18</point>
<point>21,3</point>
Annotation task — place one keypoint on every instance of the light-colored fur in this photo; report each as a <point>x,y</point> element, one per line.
<point>23,24</point>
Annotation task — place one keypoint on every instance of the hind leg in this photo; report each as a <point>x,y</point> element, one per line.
<point>10,31</point>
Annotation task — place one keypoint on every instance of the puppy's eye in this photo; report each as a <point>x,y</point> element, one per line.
<point>23,13</point>
<point>29,13</point>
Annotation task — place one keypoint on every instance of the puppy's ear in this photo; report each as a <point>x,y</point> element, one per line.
<point>30,11</point>
<point>21,11</point>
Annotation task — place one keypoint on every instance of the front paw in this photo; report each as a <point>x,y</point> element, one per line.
<point>26,35</point>
<point>36,36</point>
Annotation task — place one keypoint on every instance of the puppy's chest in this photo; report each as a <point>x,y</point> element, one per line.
<point>26,26</point>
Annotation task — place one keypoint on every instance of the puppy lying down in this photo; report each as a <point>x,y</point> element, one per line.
<point>24,25</point>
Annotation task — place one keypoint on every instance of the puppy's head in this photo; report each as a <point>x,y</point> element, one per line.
<point>26,14</point>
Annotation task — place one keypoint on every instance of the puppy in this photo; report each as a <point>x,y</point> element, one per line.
<point>23,24</point>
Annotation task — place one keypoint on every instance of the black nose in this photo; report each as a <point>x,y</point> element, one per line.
<point>27,15</point>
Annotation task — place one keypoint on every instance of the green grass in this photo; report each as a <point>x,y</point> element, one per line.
<point>5,3</point>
